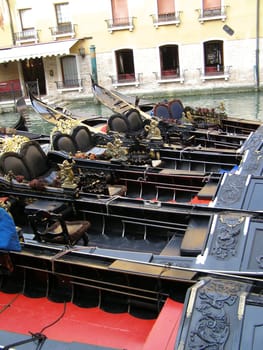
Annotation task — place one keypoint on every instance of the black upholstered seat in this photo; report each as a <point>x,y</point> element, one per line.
<point>118,123</point>
<point>35,159</point>
<point>82,138</point>
<point>135,120</point>
<point>64,142</point>
<point>12,161</point>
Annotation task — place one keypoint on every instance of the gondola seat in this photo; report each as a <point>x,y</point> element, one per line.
<point>35,159</point>
<point>64,143</point>
<point>83,138</point>
<point>135,120</point>
<point>176,109</point>
<point>31,162</point>
<point>79,140</point>
<point>118,123</point>
<point>53,228</point>
<point>12,161</point>
<point>161,110</point>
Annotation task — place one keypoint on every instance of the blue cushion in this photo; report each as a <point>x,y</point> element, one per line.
<point>9,240</point>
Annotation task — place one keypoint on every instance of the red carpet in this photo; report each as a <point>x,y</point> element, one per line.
<point>92,326</point>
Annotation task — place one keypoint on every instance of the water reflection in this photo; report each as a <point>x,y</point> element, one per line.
<point>247,105</point>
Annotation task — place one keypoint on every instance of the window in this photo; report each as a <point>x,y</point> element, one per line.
<point>166,10</point>
<point>120,17</point>
<point>64,25</point>
<point>125,65</point>
<point>166,13</point>
<point>212,10</point>
<point>213,56</point>
<point>169,60</point>
<point>62,13</point>
<point>70,77</point>
<point>28,32</point>
<point>26,19</point>
<point>120,14</point>
<point>211,7</point>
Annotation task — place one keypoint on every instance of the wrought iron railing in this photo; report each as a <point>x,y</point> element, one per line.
<point>26,36</point>
<point>211,13</point>
<point>63,30</point>
<point>167,18</point>
<point>120,23</point>
<point>69,83</point>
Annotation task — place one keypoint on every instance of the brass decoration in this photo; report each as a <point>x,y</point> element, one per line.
<point>12,144</point>
<point>66,175</point>
<point>65,126</point>
<point>153,130</point>
<point>115,150</point>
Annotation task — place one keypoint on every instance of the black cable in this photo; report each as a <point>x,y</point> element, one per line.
<point>57,320</point>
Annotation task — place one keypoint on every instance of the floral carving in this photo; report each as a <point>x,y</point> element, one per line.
<point>212,329</point>
<point>227,231</point>
<point>232,189</point>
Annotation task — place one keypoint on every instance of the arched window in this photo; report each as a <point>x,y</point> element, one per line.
<point>169,61</point>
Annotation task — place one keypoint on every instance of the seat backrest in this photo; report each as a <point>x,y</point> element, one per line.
<point>118,123</point>
<point>176,109</point>
<point>161,110</point>
<point>83,138</point>
<point>35,159</point>
<point>64,142</point>
<point>135,120</point>
<point>12,161</point>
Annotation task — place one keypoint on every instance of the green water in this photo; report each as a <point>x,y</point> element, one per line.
<point>247,105</point>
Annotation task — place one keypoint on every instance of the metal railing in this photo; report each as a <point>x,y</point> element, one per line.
<point>26,36</point>
<point>212,13</point>
<point>63,29</point>
<point>69,83</point>
<point>167,18</point>
<point>120,23</point>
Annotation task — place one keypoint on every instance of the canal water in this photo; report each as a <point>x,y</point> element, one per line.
<point>248,105</point>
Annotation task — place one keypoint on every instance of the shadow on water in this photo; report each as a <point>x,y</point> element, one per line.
<point>247,105</point>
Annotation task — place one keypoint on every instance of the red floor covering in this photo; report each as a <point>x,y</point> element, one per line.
<point>93,326</point>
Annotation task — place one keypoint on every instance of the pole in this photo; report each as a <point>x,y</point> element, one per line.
<point>257,45</point>
<point>93,63</point>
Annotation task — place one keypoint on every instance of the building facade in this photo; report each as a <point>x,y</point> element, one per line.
<point>138,47</point>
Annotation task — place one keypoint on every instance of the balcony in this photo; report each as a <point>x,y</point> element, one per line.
<point>129,79</point>
<point>212,14</point>
<point>63,30</point>
<point>70,85</point>
<point>123,23</point>
<point>26,36</point>
<point>166,19</point>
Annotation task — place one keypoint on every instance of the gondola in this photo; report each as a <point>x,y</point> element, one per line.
<point>143,263</point>
<point>173,111</point>
<point>151,261</point>
<point>138,124</point>
<point>156,213</point>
